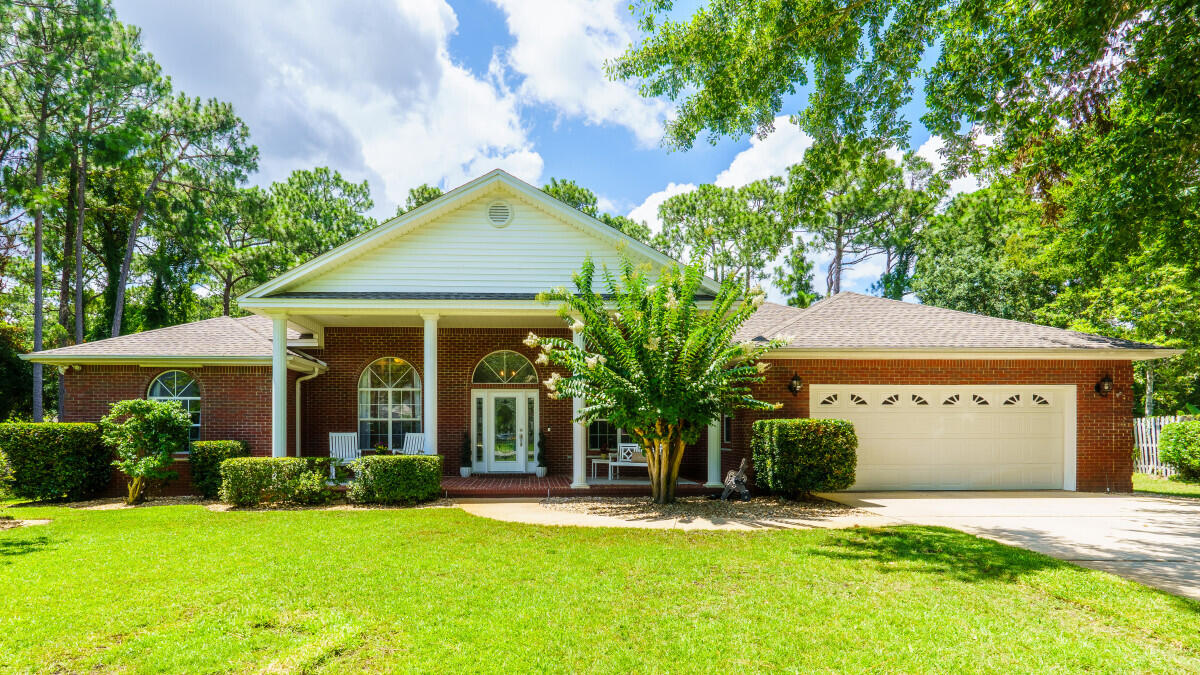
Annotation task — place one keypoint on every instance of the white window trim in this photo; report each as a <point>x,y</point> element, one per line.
<point>198,424</point>
<point>390,419</point>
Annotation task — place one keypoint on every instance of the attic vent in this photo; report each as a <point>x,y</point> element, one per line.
<point>499,213</point>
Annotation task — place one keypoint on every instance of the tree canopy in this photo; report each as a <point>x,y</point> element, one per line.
<point>652,362</point>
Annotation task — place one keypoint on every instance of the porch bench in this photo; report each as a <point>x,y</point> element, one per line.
<point>628,454</point>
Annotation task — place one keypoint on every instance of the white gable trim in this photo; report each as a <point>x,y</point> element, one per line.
<point>426,213</point>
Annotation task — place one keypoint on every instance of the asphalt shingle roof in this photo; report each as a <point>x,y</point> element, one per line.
<point>842,321</point>
<point>855,321</point>
<point>224,336</point>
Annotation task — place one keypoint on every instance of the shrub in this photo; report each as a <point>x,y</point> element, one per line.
<point>1179,448</point>
<point>205,460</point>
<point>794,457</point>
<point>250,481</point>
<point>53,461</point>
<point>144,435</point>
<point>400,479</point>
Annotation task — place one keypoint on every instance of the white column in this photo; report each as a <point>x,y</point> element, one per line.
<point>578,439</point>
<point>430,381</point>
<point>279,375</point>
<point>714,455</point>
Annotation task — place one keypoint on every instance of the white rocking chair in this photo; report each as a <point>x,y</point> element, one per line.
<point>343,448</point>
<point>414,444</point>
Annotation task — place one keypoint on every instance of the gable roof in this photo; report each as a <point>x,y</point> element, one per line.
<point>855,322</point>
<point>221,340</point>
<point>285,286</point>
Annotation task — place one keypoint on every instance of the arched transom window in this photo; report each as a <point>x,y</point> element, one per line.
<point>389,403</point>
<point>504,367</point>
<point>176,385</point>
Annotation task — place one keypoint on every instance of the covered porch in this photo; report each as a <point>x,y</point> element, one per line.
<point>445,379</point>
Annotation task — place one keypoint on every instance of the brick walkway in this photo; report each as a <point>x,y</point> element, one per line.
<point>525,485</point>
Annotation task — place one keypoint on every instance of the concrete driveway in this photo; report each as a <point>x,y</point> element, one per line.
<point>1152,540</point>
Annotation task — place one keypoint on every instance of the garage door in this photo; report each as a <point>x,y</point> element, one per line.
<point>956,438</point>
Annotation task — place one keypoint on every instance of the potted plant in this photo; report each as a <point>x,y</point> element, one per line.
<point>464,457</point>
<point>540,470</point>
<point>382,449</point>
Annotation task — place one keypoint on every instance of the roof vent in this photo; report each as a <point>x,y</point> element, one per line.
<point>499,213</point>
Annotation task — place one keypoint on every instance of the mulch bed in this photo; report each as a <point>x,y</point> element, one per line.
<point>759,509</point>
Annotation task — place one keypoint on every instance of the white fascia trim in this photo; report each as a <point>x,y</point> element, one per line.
<point>1059,354</point>
<point>265,306</point>
<point>406,222</point>
<point>179,361</point>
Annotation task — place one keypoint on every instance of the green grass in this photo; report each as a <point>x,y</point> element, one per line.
<point>1143,482</point>
<point>182,589</point>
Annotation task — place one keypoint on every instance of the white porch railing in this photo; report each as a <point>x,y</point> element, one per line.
<point>1145,435</point>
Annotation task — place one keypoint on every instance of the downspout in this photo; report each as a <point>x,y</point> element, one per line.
<point>298,381</point>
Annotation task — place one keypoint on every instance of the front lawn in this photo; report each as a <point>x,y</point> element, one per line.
<point>182,589</point>
<point>1143,482</point>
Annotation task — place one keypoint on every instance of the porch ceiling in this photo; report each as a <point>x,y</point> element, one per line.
<point>445,320</point>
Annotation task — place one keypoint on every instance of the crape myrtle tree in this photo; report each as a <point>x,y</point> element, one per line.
<point>653,361</point>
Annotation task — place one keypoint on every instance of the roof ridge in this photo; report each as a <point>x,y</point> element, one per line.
<point>250,331</point>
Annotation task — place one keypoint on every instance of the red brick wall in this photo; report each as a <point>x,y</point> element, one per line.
<point>330,400</point>
<point>236,401</point>
<point>235,404</point>
<point>1104,424</point>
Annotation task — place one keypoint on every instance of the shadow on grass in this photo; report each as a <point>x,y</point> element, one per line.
<point>21,545</point>
<point>936,550</point>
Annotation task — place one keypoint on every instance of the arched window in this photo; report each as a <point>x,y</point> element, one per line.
<point>176,385</point>
<point>504,367</point>
<point>389,403</point>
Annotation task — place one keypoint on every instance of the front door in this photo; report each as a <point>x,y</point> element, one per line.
<point>507,431</point>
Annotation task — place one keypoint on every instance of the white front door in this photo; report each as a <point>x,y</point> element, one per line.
<point>992,437</point>
<point>505,430</point>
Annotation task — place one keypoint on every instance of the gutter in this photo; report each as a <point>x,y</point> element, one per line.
<point>299,407</point>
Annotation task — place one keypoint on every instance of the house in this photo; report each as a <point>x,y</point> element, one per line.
<point>415,329</point>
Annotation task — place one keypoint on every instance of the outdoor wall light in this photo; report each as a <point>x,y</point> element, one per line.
<point>794,384</point>
<point>1105,385</point>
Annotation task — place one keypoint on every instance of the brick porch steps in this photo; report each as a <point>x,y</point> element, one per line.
<point>524,485</point>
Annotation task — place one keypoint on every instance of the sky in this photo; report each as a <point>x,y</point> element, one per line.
<point>404,92</point>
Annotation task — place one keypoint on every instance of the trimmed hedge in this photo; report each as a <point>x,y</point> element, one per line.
<point>793,457</point>
<point>250,481</point>
<point>1179,448</point>
<point>51,460</point>
<point>205,460</point>
<point>395,479</point>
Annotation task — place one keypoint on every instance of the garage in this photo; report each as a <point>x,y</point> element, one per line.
<point>967,437</point>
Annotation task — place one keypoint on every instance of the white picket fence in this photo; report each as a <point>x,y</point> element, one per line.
<point>1145,435</point>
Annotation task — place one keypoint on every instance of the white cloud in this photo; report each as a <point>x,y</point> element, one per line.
<point>931,151</point>
<point>647,211</point>
<point>369,89</point>
<point>766,157</point>
<point>560,50</point>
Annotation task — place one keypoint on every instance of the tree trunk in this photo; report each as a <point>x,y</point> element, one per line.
<point>38,218</point>
<point>80,205</point>
<point>663,447</point>
<point>136,491</point>
<point>127,261</point>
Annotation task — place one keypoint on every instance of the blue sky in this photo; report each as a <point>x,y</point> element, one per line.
<point>402,92</point>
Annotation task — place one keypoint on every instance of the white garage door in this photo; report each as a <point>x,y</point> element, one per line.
<point>956,437</point>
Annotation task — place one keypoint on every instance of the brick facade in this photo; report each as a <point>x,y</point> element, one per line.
<point>235,404</point>
<point>1104,424</point>
<point>236,401</point>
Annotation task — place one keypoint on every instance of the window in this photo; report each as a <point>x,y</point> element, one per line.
<point>389,403</point>
<point>726,429</point>
<point>603,436</point>
<point>504,367</point>
<point>176,385</point>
